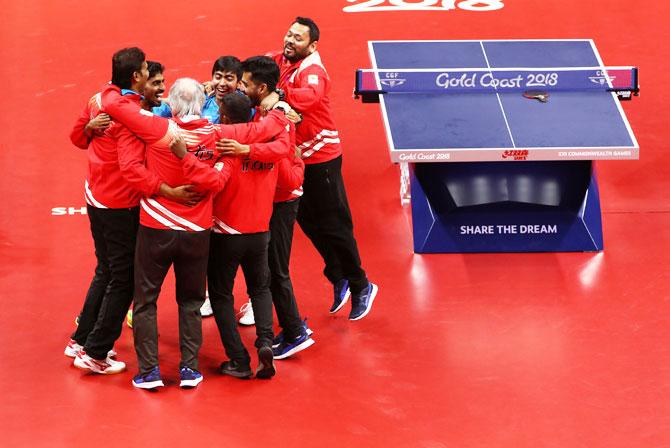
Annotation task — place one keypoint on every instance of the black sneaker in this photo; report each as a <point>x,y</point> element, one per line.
<point>236,369</point>
<point>266,365</point>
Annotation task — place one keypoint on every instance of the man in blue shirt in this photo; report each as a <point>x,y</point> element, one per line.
<point>154,90</point>
<point>226,73</point>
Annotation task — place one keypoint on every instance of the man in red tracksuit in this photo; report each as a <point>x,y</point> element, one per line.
<point>324,213</point>
<point>240,237</point>
<point>171,233</point>
<point>260,75</point>
<point>113,211</point>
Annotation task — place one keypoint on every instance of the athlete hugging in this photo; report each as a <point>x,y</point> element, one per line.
<point>210,179</point>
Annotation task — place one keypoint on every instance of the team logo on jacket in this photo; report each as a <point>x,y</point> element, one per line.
<point>202,153</point>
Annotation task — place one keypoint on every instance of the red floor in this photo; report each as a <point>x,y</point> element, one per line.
<point>517,350</point>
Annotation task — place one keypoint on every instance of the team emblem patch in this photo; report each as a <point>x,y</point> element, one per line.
<point>313,79</point>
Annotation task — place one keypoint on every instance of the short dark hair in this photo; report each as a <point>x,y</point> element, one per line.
<point>228,64</point>
<point>125,62</point>
<point>314,33</point>
<point>155,68</point>
<point>237,107</point>
<point>263,70</point>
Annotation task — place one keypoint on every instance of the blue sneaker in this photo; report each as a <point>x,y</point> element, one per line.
<point>151,380</point>
<point>189,377</point>
<point>341,295</point>
<point>286,349</point>
<point>280,336</point>
<point>361,303</point>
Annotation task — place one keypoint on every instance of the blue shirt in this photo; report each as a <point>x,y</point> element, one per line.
<point>210,110</point>
<point>162,111</point>
<point>129,92</point>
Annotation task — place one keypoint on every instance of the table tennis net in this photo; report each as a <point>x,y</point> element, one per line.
<point>622,80</point>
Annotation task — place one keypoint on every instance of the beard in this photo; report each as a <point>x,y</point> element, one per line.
<point>293,54</point>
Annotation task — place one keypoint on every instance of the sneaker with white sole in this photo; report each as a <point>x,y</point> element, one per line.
<point>189,377</point>
<point>206,308</point>
<point>361,303</point>
<point>286,349</point>
<point>246,314</point>
<point>280,336</point>
<point>150,380</point>
<point>73,348</point>
<point>341,294</point>
<point>106,366</point>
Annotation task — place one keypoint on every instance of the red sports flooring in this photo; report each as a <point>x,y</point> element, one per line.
<point>493,350</point>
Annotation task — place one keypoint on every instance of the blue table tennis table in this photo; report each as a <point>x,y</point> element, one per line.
<point>491,170</point>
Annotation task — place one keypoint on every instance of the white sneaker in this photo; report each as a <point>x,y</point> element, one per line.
<point>246,314</point>
<point>206,308</point>
<point>106,367</point>
<point>73,348</point>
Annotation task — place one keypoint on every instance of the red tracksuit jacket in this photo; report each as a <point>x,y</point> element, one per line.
<point>245,204</point>
<point>290,169</point>
<point>290,174</point>
<point>105,185</point>
<point>307,85</point>
<point>195,168</point>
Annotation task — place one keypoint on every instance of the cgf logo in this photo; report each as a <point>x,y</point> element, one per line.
<point>425,5</point>
<point>392,80</point>
<point>602,79</point>
<point>517,154</point>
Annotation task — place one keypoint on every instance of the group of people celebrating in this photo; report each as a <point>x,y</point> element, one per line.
<point>206,181</point>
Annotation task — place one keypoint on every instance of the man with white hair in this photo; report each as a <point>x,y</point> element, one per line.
<point>171,233</point>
